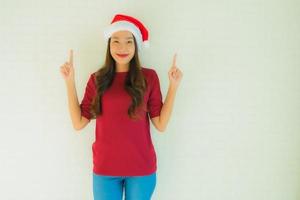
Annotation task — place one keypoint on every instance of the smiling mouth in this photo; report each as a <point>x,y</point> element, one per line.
<point>122,55</point>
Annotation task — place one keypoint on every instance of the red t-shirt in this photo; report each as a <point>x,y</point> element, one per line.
<point>123,147</point>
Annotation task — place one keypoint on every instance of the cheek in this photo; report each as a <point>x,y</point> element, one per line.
<point>113,52</point>
<point>132,53</point>
<point>132,50</point>
<point>112,48</point>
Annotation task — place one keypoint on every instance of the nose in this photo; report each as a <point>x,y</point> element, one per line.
<point>122,46</point>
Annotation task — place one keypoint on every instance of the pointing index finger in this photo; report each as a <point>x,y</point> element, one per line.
<point>174,59</point>
<point>71,56</point>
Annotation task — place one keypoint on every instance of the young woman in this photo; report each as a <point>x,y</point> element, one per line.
<point>122,96</point>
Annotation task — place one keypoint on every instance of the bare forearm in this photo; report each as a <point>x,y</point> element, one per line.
<point>167,107</point>
<point>73,103</point>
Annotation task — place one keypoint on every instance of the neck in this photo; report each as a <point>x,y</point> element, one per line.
<point>122,67</point>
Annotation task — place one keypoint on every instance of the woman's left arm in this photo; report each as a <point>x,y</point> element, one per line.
<point>175,76</point>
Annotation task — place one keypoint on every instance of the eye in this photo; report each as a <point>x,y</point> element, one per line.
<point>115,41</point>
<point>129,41</point>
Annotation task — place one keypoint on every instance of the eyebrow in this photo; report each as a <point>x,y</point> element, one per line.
<point>118,37</point>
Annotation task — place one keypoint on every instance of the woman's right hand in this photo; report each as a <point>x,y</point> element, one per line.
<point>67,69</point>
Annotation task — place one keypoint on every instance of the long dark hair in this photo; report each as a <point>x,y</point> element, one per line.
<point>135,83</point>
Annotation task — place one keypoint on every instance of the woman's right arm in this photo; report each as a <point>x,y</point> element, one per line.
<point>67,72</point>
<point>78,121</point>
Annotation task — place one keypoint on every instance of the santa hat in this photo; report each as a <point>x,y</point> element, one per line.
<point>128,23</point>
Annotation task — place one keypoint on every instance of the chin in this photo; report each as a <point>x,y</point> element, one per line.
<point>122,61</point>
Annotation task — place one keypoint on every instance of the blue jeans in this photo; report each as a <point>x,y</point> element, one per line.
<point>111,187</point>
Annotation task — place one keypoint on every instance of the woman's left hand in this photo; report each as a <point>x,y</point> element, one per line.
<point>174,73</point>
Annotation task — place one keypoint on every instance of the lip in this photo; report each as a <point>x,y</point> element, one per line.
<point>122,55</point>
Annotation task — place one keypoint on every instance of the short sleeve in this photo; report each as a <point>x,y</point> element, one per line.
<point>155,96</point>
<point>90,91</point>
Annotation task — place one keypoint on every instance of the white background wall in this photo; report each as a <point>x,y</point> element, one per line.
<point>234,132</point>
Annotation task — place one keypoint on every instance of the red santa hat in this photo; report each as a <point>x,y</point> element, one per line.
<point>128,23</point>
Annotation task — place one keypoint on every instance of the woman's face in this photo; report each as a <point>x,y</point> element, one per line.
<point>122,47</point>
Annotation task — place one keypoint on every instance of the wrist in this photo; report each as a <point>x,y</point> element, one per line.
<point>172,87</point>
<point>70,82</point>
